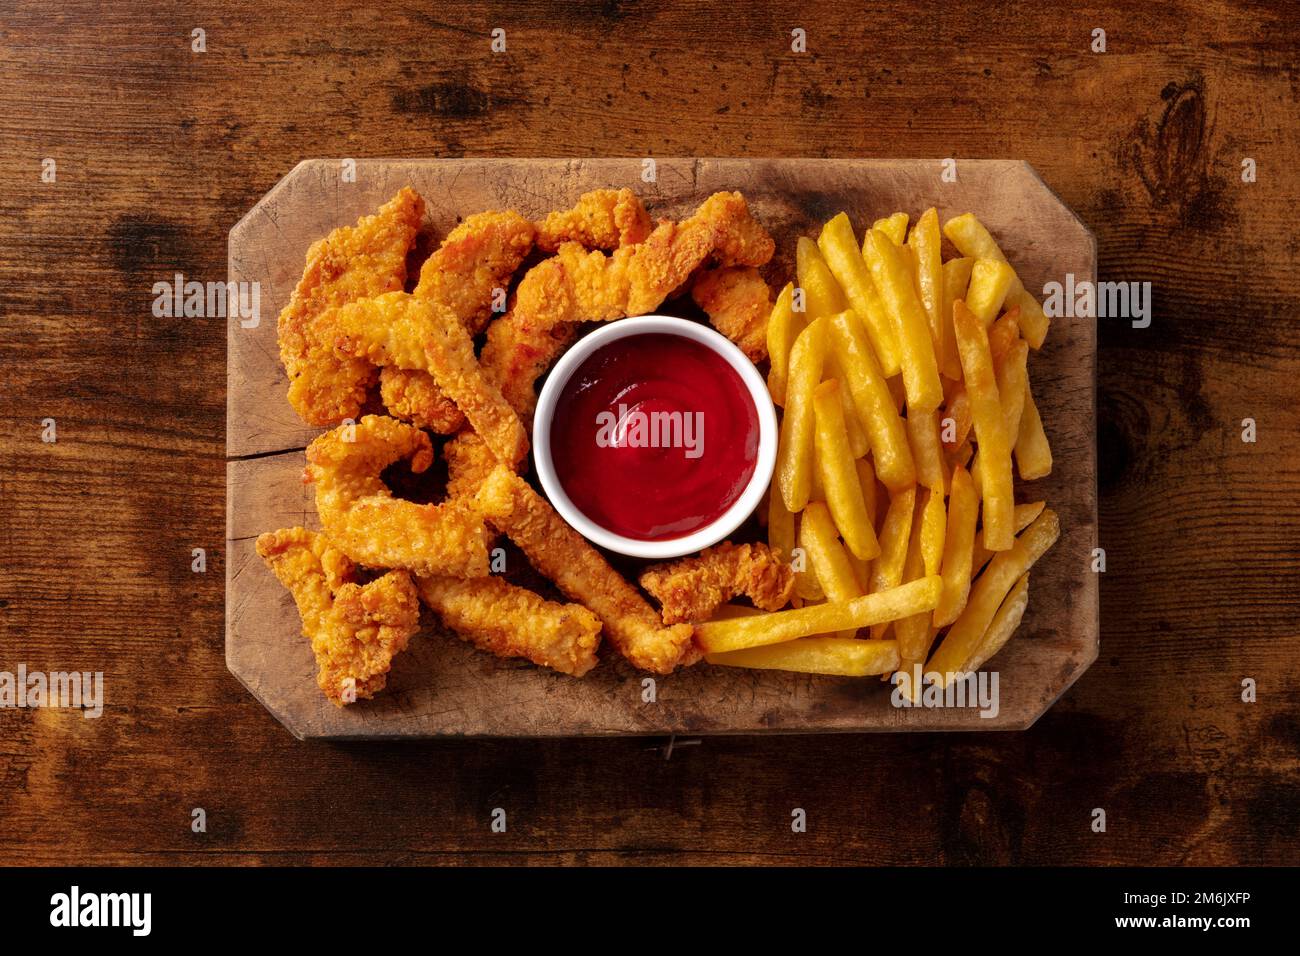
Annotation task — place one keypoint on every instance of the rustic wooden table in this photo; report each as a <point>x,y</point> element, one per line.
<point>159,149</point>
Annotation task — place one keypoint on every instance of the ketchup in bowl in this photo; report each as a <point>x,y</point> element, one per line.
<point>654,436</point>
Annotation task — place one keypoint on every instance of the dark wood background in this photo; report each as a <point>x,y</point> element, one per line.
<point>160,150</point>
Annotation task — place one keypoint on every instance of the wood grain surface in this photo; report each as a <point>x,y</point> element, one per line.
<point>160,151</point>
<point>441,687</point>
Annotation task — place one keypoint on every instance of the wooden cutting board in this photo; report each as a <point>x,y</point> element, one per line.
<point>444,687</point>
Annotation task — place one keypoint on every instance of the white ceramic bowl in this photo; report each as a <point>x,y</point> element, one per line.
<point>730,519</point>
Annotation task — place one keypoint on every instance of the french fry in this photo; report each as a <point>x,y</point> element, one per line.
<point>876,410</point>
<point>971,238</point>
<point>1033,453</point>
<point>867,479</point>
<point>859,443</point>
<point>895,227</point>
<point>1013,379</point>
<point>995,481</point>
<point>1025,515</point>
<point>1004,623</point>
<point>933,530</point>
<point>794,464</point>
<point>912,632</point>
<point>838,245</point>
<point>927,450</point>
<point>958,410</point>
<point>915,350</point>
<point>783,327</point>
<point>963,639</point>
<point>958,548</point>
<point>956,279</point>
<point>924,240</point>
<point>1003,333</point>
<point>821,293</point>
<point>816,655</point>
<point>895,531</point>
<point>840,477</point>
<point>828,557</point>
<point>913,598</point>
<point>780,524</point>
<point>989,281</point>
<point>806,586</point>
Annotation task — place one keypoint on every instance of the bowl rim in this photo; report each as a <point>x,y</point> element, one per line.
<point>740,509</point>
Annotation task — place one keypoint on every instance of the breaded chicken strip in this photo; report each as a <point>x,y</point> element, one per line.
<point>402,330</point>
<point>511,621</point>
<point>694,588</point>
<point>601,219</point>
<point>467,274</point>
<point>560,553</point>
<point>578,286</point>
<point>469,462</point>
<point>352,262</point>
<point>355,630</point>
<point>738,303</point>
<point>369,525</point>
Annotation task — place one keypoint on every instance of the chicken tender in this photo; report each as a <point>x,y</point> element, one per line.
<point>578,569</point>
<point>369,525</point>
<point>694,588</point>
<point>355,630</point>
<point>601,219</point>
<point>738,303</point>
<point>469,462</point>
<point>415,397</point>
<point>402,330</point>
<point>511,621</point>
<point>580,286</point>
<point>351,263</point>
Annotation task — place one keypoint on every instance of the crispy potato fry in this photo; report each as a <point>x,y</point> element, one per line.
<point>995,480</point>
<point>1025,515</point>
<point>794,463</point>
<point>780,523</point>
<point>895,531</point>
<point>821,293</point>
<point>958,410</point>
<point>913,598</point>
<point>971,238</point>
<point>859,443</point>
<point>783,327</point>
<point>806,585</point>
<point>817,655</point>
<point>840,476</point>
<point>840,248</point>
<point>895,227</point>
<point>925,241</point>
<point>828,556</point>
<point>915,349</point>
<point>1004,623</point>
<point>1003,333</point>
<point>927,450</point>
<point>934,528</point>
<point>989,281</point>
<point>876,410</point>
<point>956,280</point>
<point>958,548</point>
<point>1033,453</point>
<point>965,636</point>
<point>1013,378</point>
<point>867,479</point>
<point>912,632</point>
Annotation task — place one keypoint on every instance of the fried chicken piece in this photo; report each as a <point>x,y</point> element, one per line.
<point>738,303</point>
<point>469,462</point>
<point>694,588</point>
<point>511,621</point>
<point>352,262</point>
<point>369,525</point>
<point>577,286</point>
<point>355,630</point>
<point>601,219</point>
<point>467,274</point>
<point>402,330</point>
<point>578,569</point>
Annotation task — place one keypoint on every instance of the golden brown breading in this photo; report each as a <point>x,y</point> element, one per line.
<point>578,569</point>
<point>601,219</point>
<point>469,462</point>
<point>368,524</point>
<point>578,286</point>
<point>738,303</point>
<point>355,630</point>
<point>692,589</point>
<point>352,262</point>
<point>402,330</point>
<point>415,397</point>
<point>511,621</point>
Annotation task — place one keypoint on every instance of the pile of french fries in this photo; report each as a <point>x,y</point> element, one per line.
<point>906,405</point>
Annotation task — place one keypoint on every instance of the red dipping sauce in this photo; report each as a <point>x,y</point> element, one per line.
<point>654,436</point>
